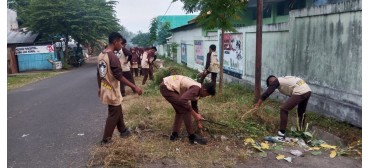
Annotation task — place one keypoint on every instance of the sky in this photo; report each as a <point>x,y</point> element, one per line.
<point>136,15</point>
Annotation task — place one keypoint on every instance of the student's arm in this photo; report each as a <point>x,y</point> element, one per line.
<point>194,106</point>
<point>274,85</point>
<point>116,69</point>
<point>127,53</point>
<point>208,62</point>
<point>99,80</point>
<point>190,95</point>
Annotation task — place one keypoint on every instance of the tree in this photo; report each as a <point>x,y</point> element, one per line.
<point>164,33</point>
<point>141,39</point>
<point>83,20</point>
<point>153,30</point>
<point>216,14</point>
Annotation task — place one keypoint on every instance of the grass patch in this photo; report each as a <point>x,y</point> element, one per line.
<point>19,80</point>
<point>150,117</point>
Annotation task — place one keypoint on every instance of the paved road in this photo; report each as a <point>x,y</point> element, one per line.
<point>54,122</point>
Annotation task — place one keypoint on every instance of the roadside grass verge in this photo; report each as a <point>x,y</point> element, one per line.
<point>22,79</point>
<point>150,118</point>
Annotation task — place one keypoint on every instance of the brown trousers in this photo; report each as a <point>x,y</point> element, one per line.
<point>213,77</point>
<point>294,100</point>
<point>182,114</point>
<point>115,118</point>
<point>147,72</point>
<point>128,76</point>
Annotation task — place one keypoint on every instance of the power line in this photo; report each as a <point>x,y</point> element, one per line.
<point>166,11</point>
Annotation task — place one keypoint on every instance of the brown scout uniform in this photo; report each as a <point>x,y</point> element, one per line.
<point>299,93</point>
<point>179,90</point>
<point>108,74</point>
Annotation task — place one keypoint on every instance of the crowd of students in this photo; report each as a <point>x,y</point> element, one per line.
<point>117,66</point>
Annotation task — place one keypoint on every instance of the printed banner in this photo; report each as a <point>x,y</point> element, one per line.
<point>183,53</point>
<point>233,55</point>
<point>34,49</point>
<point>198,52</point>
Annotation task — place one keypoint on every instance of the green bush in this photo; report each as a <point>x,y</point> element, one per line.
<point>164,72</point>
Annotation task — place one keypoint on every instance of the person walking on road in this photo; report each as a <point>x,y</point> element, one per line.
<point>109,77</point>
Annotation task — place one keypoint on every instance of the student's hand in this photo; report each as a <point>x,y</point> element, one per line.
<point>256,106</point>
<point>198,117</point>
<point>200,126</point>
<point>138,90</point>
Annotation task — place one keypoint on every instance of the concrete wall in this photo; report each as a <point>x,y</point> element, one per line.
<point>326,47</point>
<point>188,38</point>
<point>321,44</point>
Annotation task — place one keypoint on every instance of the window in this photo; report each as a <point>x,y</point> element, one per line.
<point>282,8</point>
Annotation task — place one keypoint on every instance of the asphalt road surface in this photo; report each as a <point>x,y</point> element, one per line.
<point>56,121</point>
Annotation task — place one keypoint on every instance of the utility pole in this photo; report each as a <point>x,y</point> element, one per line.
<point>257,83</point>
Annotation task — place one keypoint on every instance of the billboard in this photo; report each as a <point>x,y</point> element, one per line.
<point>183,53</point>
<point>198,52</point>
<point>233,54</point>
<point>34,49</point>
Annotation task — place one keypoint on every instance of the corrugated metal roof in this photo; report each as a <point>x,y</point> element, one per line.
<point>16,37</point>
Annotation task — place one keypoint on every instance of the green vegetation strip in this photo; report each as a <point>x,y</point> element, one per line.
<point>19,80</point>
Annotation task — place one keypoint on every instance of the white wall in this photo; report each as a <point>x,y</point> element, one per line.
<point>188,38</point>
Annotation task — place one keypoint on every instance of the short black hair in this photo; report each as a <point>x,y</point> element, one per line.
<point>114,36</point>
<point>154,48</point>
<point>267,80</point>
<point>124,41</point>
<point>212,47</point>
<point>210,88</point>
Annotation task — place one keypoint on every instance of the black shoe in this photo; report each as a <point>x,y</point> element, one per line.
<point>174,137</point>
<point>193,139</point>
<point>105,141</point>
<point>125,133</point>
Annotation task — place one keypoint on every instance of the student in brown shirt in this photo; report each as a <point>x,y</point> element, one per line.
<point>147,63</point>
<point>134,62</point>
<point>299,93</point>
<point>125,57</point>
<point>179,90</point>
<point>109,76</point>
<point>209,68</point>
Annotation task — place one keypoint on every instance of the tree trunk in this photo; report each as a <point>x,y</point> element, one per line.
<point>257,79</point>
<point>221,64</point>
<point>66,57</point>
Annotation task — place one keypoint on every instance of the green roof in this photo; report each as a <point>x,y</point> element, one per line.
<point>175,20</point>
